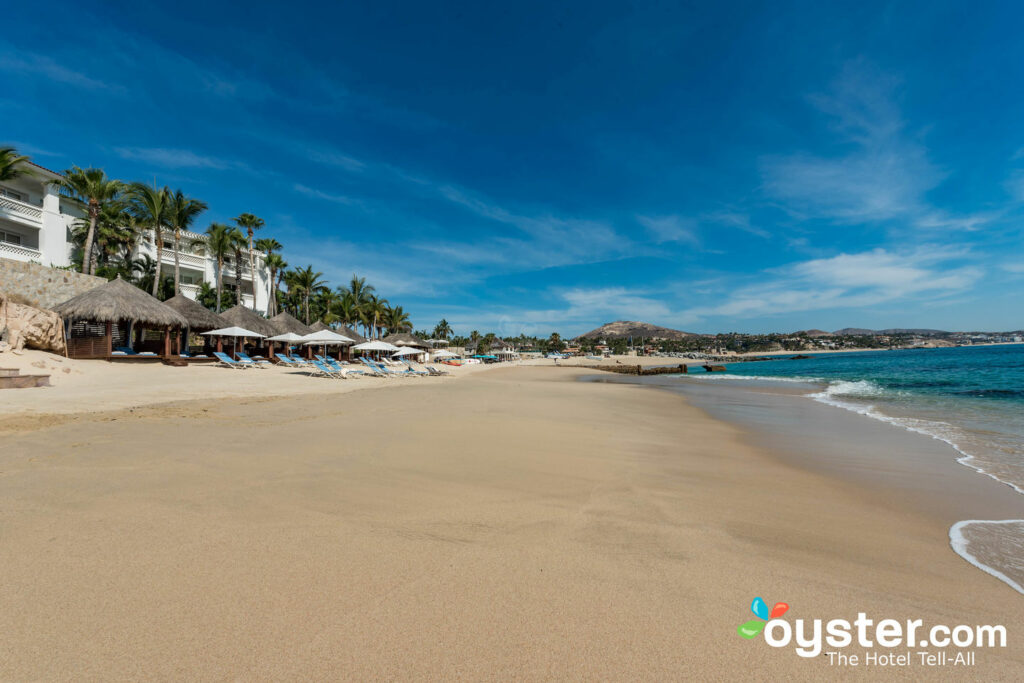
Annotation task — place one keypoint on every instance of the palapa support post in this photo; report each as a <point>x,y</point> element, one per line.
<point>110,339</point>
<point>270,350</point>
<point>220,344</point>
<point>167,342</point>
<point>340,348</point>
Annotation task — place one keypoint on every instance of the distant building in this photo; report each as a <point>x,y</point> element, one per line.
<point>36,223</point>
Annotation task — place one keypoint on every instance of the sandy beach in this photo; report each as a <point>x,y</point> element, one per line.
<point>511,523</point>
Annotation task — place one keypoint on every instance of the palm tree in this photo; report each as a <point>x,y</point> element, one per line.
<point>360,293</point>
<point>251,224</point>
<point>219,244</point>
<point>348,311</point>
<point>151,207</point>
<point>396,320</point>
<point>281,267</point>
<point>376,308</point>
<point>269,246</point>
<point>237,238</point>
<point>115,236</point>
<point>13,165</point>
<point>443,330</point>
<point>182,212</point>
<point>92,188</point>
<point>307,282</point>
<point>326,303</point>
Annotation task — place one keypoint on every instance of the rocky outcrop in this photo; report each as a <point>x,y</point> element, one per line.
<point>22,325</point>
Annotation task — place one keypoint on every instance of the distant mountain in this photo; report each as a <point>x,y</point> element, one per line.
<point>816,333</point>
<point>621,329</point>
<point>890,331</point>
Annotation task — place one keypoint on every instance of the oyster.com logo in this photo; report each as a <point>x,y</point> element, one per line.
<point>760,609</point>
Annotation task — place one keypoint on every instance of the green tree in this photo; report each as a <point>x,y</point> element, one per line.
<point>238,242</point>
<point>442,330</point>
<point>13,165</point>
<point>396,320</point>
<point>307,282</point>
<point>91,188</point>
<point>151,207</point>
<point>251,224</point>
<point>182,211</point>
<point>218,244</point>
<point>269,246</point>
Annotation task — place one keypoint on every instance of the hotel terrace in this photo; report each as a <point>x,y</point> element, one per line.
<point>36,222</point>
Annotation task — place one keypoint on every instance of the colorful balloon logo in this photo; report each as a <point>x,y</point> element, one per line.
<point>760,609</point>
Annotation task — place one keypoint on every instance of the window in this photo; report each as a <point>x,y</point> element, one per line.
<point>10,237</point>
<point>11,194</point>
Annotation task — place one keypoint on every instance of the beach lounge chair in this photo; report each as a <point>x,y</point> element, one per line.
<point>374,369</point>
<point>434,372</point>
<point>324,371</point>
<point>224,359</point>
<point>410,368</point>
<point>246,359</point>
<point>345,372</point>
<point>296,360</point>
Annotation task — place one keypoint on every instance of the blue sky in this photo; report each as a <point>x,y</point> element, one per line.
<point>538,167</point>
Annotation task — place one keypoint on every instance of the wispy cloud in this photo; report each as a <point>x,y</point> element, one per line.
<point>326,196</point>
<point>35,65</point>
<point>671,228</point>
<point>177,158</point>
<point>849,281</point>
<point>885,172</point>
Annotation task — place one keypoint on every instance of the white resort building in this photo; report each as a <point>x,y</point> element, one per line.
<point>36,221</point>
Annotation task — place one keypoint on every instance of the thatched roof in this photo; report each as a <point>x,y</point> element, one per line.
<point>244,317</point>
<point>351,334</point>
<point>118,300</point>
<point>286,322</point>
<point>199,317</point>
<point>406,339</point>
<point>319,325</point>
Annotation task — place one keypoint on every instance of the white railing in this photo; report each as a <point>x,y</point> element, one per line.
<point>247,300</point>
<point>21,210</point>
<point>184,259</point>
<point>20,253</point>
<point>191,291</point>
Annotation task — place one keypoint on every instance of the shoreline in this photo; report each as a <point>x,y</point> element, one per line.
<point>517,523</point>
<point>928,473</point>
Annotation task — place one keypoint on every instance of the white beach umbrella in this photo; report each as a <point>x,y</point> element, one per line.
<point>286,337</point>
<point>325,337</point>
<point>408,351</point>
<point>375,345</point>
<point>233,332</point>
<point>443,353</point>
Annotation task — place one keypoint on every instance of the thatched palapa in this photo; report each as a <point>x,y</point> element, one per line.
<point>244,317</point>
<point>198,317</point>
<point>406,339</point>
<point>351,334</point>
<point>116,301</point>
<point>319,326</point>
<point>286,322</point>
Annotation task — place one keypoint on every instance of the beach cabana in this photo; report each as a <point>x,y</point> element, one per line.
<point>286,324</point>
<point>102,319</point>
<point>198,318</point>
<point>406,339</point>
<point>243,317</point>
<point>326,338</point>
<point>234,332</point>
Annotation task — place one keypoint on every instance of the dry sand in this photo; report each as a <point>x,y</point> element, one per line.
<point>515,524</point>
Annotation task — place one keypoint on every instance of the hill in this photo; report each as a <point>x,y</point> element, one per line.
<point>621,329</point>
<point>891,330</point>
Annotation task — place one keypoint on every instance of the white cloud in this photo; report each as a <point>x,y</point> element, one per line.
<point>850,281</point>
<point>671,228</point>
<point>30,64</point>
<point>327,196</point>
<point>176,158</point>
<point>885,172</point>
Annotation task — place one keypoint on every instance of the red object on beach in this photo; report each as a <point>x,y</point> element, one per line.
<point>779,609</point>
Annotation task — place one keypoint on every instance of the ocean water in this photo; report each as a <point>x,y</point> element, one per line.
<point>969,397</point>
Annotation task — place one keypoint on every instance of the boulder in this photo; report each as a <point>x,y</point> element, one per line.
<point>22,325</point>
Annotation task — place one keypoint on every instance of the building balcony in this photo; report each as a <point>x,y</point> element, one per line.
<point>191,291</point>
<point>20,253</point>
<point>184,259</point>
<point>21,212</point>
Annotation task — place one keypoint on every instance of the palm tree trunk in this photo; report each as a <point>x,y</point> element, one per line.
<point>177,266</point>
<point>305,300</point>
<point>220,279</point>
<point>89,237</point>
<point>252,270</point>
<point>159,256</point>
<point>238,277</point>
